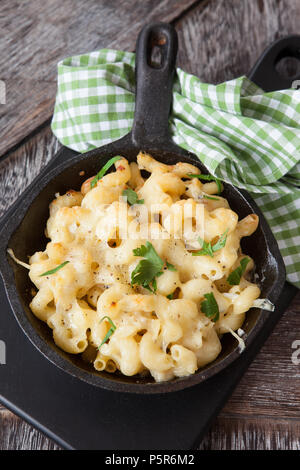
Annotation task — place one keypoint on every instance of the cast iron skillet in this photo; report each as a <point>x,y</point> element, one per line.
<point>24,231</point>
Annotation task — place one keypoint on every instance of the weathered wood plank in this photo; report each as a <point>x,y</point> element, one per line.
<point>16,434</point>
<point>228,432</point>
<point>23,165</point>
<point>238,433</point>
<point>36,35</point>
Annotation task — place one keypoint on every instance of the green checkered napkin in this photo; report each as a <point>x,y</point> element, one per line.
<point>242,135</point>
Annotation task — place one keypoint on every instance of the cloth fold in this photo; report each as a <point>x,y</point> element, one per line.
<point>243,135</point>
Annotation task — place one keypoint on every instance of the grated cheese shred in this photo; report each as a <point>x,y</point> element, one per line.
<point>21,263</point>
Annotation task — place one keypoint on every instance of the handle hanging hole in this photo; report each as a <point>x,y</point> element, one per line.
<point>155,58</point>
<point>288,67</point>
<point>156,50</point>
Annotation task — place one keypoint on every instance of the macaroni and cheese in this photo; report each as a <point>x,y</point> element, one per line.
<point>144,271</point>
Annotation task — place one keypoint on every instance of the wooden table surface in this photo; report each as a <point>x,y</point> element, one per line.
<point>218,40</point>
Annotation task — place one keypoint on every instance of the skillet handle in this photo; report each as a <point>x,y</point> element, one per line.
<point>264,72</point>
<point>154,84</point>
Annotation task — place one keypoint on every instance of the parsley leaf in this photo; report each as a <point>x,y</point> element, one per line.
<point>110,331</point>
<point>210,307</point>
<point>234,278</point>
<point>52,271</point>
<point>132,197</point>
<point>208,178</point>
<point>221,242</point>
<point>148,251</point>
<point>208,249</point>
<point>147,269</point>
<point>104,169</point>
<point>144,275</point>
<point>170,266</point>
<point>170,296</point>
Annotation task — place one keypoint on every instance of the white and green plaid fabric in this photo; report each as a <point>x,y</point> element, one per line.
<point>242,135</point>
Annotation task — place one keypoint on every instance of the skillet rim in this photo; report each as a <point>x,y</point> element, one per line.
<point>55,358</point>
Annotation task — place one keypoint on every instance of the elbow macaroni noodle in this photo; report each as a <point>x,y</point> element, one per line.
<point>96,231</point>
